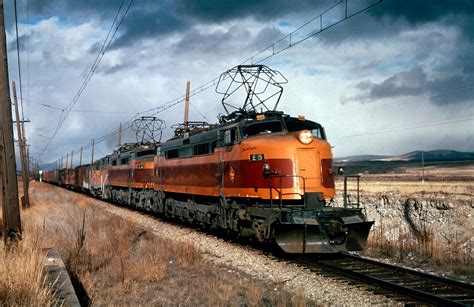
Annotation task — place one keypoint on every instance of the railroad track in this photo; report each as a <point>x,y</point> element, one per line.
<point>422,287</point>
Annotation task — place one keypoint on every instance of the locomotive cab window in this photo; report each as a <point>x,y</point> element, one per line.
<point>148,152</point>
<point>230,136</point>
<point>262,128</point>
<point>293,124</point>
<point>124,161</point>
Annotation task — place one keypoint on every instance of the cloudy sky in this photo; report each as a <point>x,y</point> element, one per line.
<point>397,78</point>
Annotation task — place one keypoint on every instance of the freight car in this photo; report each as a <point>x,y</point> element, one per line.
<point>263,175</point>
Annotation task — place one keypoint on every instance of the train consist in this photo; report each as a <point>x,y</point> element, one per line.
<point>258,174</point>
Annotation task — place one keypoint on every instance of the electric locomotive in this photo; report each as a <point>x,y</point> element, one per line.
<point>264,175</point>
<point>258,174</point>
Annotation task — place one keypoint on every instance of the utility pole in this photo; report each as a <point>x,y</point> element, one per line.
<point>80,157</point>
<point>422,167</point>
<point>21,145</point>
<point>186,107</point>
<point>67,159</point>
<point>92,157</point>
<point>120,135</point>
<point>8,179</point>
<point>72,155</point>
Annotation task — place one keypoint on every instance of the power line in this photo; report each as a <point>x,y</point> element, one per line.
<point>396,103</point>
<point>80,111</point>
<point>100,55</point>
<point>416,126</point>
<point>253,59</point>
<point>18,58</point>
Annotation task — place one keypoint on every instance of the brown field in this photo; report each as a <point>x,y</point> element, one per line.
<point>406,188</point>
<point>447,171</point>
<point>117,262</point>
<point>425,225</point>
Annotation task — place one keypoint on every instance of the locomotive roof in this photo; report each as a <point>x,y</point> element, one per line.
<point>210,133</point>
<point>239,119</point>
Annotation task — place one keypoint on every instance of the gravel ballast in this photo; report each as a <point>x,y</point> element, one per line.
<point>251,261</point>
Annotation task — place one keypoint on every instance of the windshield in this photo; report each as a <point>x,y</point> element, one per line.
<point>293,124</point>
<point>262,128</point>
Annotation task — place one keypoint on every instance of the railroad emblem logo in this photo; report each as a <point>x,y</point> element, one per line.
<point>232,174</point>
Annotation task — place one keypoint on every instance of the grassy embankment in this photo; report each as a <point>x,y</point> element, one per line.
<point>118,262</point>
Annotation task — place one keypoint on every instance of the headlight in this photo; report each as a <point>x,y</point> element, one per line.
<point>305,137</point>
<point>266,169</point>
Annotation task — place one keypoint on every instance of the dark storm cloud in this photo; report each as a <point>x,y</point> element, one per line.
<point>422,11</point>
<point>218,10</point>
<point>151,19</point>
<point>393,16</point>
<point>403,83</point>
<point>219,41</point>
<point>266,37</point>
<point>459,13</point>
<point>211,42</point>
<point>413,82</point>
<point>149,24</point>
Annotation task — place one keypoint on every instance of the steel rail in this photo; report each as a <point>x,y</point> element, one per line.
<point>457,292</point>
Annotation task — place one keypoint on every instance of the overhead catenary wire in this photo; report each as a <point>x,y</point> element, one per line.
<point>441,122</point>
<point>80,111</point>
<point>18,61</point>
<point>105,45</point>
<point>253,59</point>
<point>398,102</point>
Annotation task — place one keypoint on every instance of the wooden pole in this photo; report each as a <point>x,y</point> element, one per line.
<point>120,135</point>
<point>92,157</point>
<point>72,155</point>
<point>186,107</point>
<point>21,145</point>
<point>67,159</point>
<point>27,156</point>
<point>9,184</point>
<point>80,157</point>
<point>423,167</point>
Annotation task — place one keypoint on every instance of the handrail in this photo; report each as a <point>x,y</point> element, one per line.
<point>279,191</point>
<point>345,190</point>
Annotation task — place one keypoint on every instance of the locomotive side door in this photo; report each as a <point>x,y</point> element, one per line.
<point>229,137</point>
<point>220,170</point>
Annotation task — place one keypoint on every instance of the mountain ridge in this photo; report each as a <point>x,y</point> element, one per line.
<point>417,155</point>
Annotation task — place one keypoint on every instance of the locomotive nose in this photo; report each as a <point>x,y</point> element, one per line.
<point>303,233</point>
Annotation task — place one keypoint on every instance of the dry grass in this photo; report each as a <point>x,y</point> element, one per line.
<point>442,239</point>
<point>120,263</point>
<point>428,249</point>
<point>21,280</point>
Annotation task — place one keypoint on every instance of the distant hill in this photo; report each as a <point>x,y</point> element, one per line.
<point>431,155</point>
<point>361,158</point>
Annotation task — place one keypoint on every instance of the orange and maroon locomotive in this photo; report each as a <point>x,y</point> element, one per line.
<point>264,175</point>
